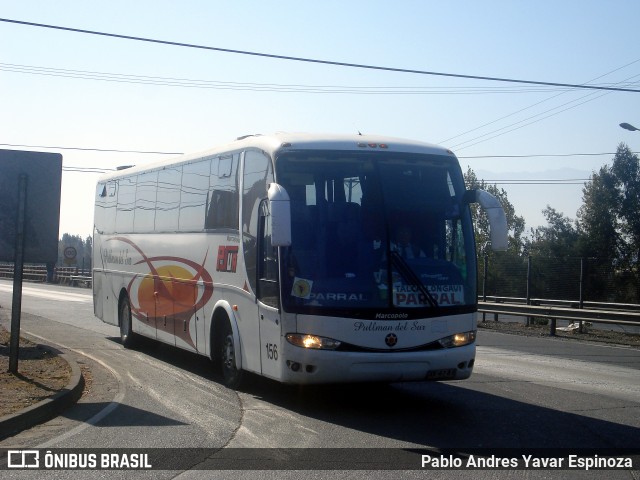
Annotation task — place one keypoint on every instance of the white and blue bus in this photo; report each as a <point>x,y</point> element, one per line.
<point>302,258</point>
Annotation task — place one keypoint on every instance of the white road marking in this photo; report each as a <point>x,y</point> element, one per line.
<point>60,296</point>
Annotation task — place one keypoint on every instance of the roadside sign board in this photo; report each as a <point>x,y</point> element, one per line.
<point>29,221</point>
<point>70,254</point>
<point>42,216</point>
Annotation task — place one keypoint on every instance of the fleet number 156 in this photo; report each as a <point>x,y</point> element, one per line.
<point>272,351</point>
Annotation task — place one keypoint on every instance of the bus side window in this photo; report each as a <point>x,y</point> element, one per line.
<point>257,175</point>
<point>126,204</point>
<point>105,215</point>
<point>168,199</point>
<point>267,261</point>
<point>193,195</point>
<point>222,208</point>
<point>144,217</point>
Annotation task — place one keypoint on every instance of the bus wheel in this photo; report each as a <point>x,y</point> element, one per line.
<point>231,376</point>
<point>127,337</point>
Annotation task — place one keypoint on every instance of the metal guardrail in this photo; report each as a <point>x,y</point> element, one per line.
<point>38,273</point>
<point>83,279</point>
<point>554,313</point>
<point>560,313</point>
<point>630,307</point>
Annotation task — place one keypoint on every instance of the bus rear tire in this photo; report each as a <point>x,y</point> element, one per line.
<point>232,377</point>
<point>127,337</point>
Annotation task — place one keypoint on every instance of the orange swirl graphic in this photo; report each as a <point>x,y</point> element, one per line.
<point>167,296</point>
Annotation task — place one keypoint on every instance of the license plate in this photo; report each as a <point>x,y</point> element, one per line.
<point>443,374</point>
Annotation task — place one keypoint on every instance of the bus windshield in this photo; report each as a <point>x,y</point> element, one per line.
<point>376,231</point>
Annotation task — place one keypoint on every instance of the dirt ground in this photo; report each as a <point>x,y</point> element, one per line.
<point>42,373</point>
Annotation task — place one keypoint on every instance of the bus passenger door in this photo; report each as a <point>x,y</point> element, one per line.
<point>268,298</point>
<point>270,340</point>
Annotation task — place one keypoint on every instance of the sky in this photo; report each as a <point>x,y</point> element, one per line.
<point>88,93</point>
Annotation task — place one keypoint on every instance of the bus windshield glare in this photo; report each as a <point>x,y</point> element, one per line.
<point>377,231</point>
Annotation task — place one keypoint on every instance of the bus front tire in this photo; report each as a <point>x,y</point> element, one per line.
<point>231,376</point>
<point>127,337</point>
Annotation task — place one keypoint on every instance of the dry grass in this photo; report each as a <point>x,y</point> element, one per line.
<point>589,333</point>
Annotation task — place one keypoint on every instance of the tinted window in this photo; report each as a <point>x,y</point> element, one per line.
<point>222,207</point>
<point>168,199</point>
<point>256,177</point>
<point>194,193</point>
<point>145,202</point>
<point>126,204</point>
<point>268,291</point>
<point>105,212</point>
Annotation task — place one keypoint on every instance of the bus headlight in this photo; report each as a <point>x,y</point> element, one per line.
<point>458,339</point>
<point>312,341</point>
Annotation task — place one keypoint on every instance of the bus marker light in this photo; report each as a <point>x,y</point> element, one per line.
<point>234,308</point>
<point>294,366</point>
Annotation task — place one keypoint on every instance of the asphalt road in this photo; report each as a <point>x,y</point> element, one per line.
<point>525,393</point>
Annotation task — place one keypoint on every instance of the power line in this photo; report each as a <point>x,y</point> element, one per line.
<point>112,150</point>
<point>316,61</point>
<point>269,87</point>
<point>541,155</point>
<point>522,123</point>
<point>535,104</point>
<point>537,182</point>
<point>90,149</point>
<point>550,180</point>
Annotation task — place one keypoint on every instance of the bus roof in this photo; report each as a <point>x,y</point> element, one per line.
<point>295,141</point>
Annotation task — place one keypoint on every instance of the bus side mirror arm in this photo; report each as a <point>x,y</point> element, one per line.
<point>280,209</point>
<point>495,213</point>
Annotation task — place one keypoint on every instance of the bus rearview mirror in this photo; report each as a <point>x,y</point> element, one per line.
<point>499,231</point>
<point>280,208</point>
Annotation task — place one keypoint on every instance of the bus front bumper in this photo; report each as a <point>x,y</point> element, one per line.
<point>309,366</point>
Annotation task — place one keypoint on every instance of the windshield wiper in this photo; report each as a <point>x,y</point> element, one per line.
<point>407,272</point>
